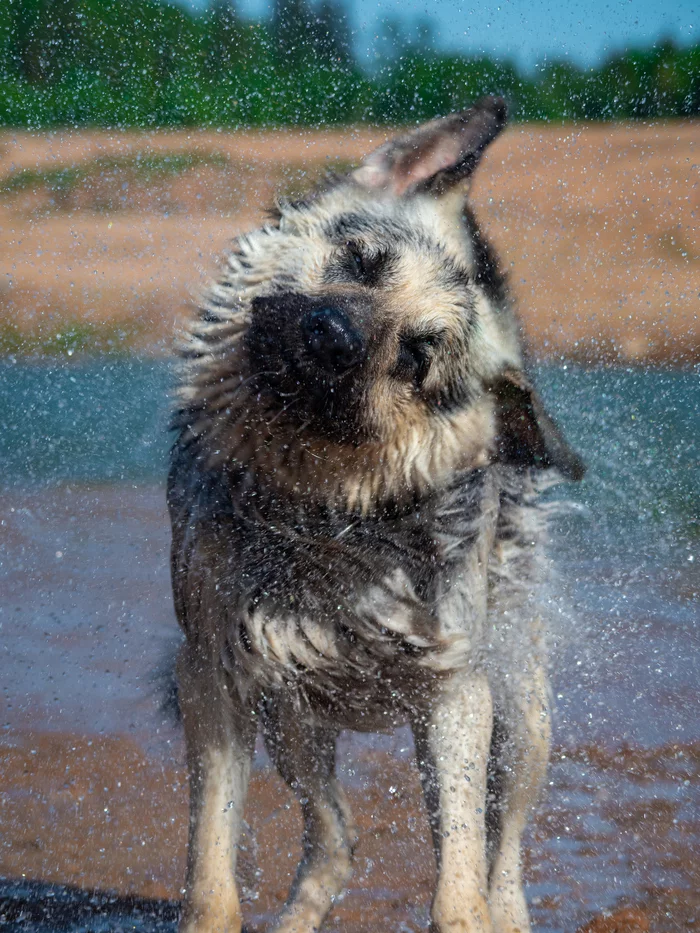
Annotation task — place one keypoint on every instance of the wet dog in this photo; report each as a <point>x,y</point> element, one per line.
<point>356,530</point>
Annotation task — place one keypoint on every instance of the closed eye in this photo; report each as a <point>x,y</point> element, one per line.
<point>415,356</point>
<point>368,267</point>
<point>358,260</point>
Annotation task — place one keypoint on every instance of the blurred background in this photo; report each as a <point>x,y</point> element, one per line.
<point>141,136</point>
<point>137,138</point>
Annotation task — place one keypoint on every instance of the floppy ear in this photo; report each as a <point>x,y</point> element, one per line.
<point>436,156</point>
<point>527,435</point>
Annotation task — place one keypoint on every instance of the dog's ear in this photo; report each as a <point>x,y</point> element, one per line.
<point>436,156</point>
<point>527,435</point>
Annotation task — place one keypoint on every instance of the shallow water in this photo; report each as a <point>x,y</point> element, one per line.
<point>85,614</point>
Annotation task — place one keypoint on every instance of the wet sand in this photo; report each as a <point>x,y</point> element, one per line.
<point>99,814</point>
<point>93,790</point>
<point>597,226</point>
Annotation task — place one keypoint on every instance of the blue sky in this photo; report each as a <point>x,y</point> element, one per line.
<point>525,30</point>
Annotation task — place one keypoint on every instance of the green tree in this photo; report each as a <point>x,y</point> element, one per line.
<point>291,21</point>
<point>156,62</point>
<point>46,36</point>
<point>332,39</point>
<point>224,37</point>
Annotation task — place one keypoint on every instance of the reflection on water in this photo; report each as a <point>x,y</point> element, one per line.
<point>86,614</point>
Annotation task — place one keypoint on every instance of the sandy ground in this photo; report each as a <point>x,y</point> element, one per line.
<point>598,226</point>
<point>96,813</point>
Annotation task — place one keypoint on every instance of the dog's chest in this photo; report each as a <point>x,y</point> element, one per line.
<point>331,599</point>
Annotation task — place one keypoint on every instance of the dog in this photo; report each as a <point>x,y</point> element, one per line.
<point>357,535</point>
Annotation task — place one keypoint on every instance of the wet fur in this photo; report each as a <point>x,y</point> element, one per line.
<point>364,551</point>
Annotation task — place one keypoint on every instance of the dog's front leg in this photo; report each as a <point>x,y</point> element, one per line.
<point>452,743</point>
<point>220,736</point>
<point>520,754</point>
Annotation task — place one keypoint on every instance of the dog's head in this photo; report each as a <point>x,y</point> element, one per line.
<point>364,346</point>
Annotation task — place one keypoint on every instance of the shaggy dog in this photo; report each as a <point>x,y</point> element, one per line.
<point>356,530</point>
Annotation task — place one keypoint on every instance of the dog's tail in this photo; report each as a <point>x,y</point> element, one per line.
<point>164,682</point>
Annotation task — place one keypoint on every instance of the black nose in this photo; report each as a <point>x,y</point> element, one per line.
<point>332,340</point>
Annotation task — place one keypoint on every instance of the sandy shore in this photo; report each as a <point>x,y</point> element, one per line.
<point>597,225</point>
